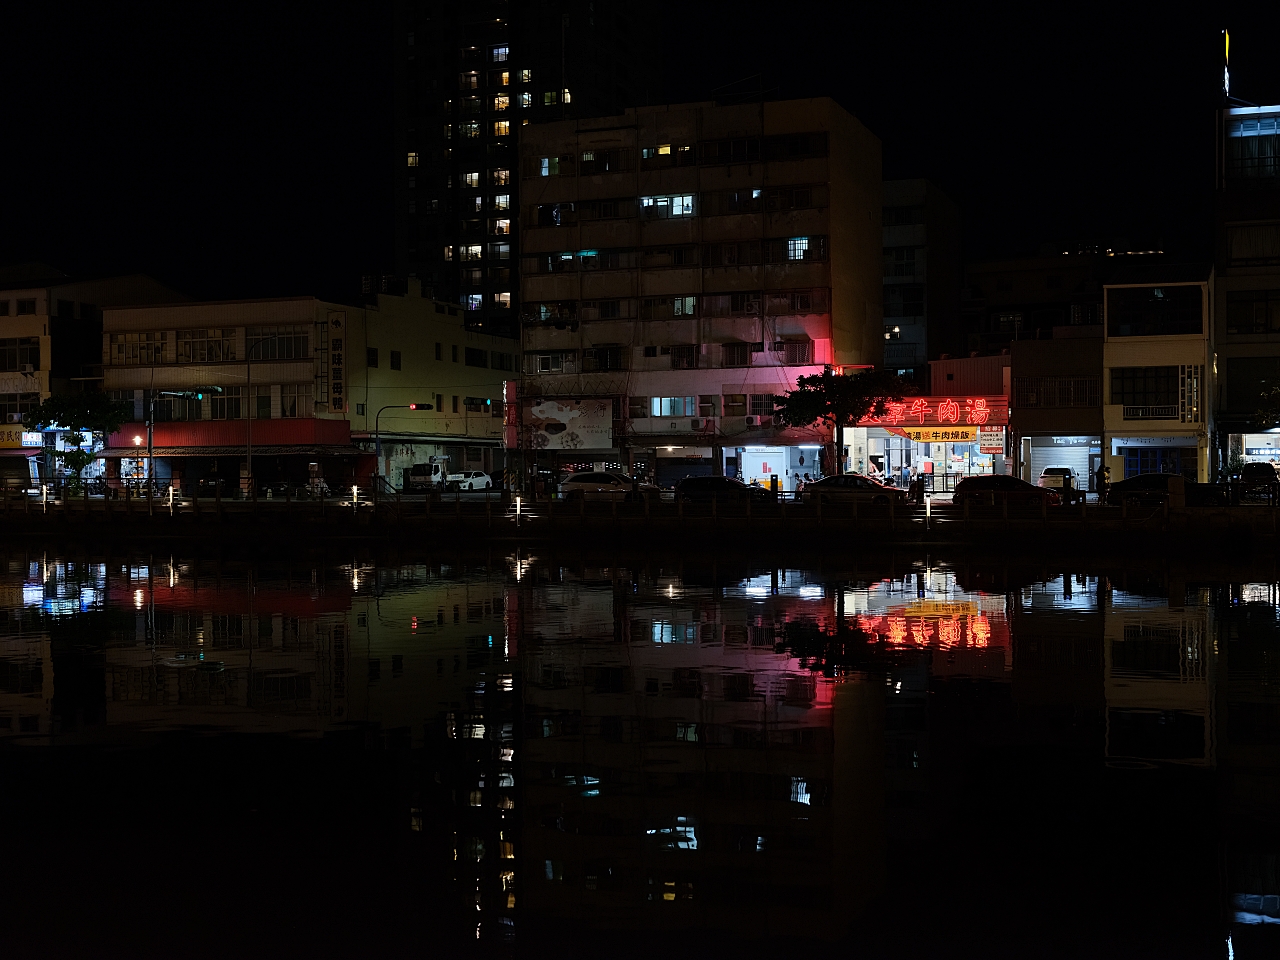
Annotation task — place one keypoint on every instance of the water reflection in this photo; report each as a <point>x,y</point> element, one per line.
<point>526,752</point>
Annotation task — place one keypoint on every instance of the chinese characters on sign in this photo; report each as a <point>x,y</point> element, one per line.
<point>934,435</point>
<point>337,363</point>
<point>942,411</point>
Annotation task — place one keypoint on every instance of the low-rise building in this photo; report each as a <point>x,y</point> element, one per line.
<point>297,390</point>
<point>1158,371</point>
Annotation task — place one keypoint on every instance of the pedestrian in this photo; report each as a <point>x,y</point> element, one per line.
<point>1102,480</point>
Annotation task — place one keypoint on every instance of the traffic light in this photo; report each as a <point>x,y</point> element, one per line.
<point>421,406</point>
<point>478,402</point>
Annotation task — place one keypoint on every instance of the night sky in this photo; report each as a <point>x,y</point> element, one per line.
<point>249,151</point>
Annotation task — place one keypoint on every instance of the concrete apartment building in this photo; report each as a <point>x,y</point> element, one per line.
<point>1247,273</point>
<point>922,276</point>
<point>468,76</point>
<point>684,264</point>
<point>295,386</point>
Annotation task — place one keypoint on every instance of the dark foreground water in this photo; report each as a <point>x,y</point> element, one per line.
<point>544,756</point>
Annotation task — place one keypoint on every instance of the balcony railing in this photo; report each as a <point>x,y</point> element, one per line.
<point>1168,411</point>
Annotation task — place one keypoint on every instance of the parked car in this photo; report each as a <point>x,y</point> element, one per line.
<point>1155,488</point>
<point>1056,477</point>
<point>602,486</point>
<point>1003,489</point>
<point>469,480</point>
<point>1258,482</point>
<point>851,487</point>
<point>720,489</point>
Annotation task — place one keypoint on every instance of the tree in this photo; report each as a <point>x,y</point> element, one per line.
<point>838,401</point>
<point>81,413</point>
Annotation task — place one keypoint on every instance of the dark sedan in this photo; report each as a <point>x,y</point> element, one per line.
<point>999,488</point>
<point>1156,488</point>
<point>851,487</point>
<point>719,489</point>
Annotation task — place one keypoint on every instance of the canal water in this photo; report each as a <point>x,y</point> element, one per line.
<point>536,755</point>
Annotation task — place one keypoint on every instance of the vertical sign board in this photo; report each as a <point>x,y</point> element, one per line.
<point>991,440</point>
<point>337,362</point>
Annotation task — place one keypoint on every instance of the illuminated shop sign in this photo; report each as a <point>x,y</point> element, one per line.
<point>942,412</point>
<point>936,435</point>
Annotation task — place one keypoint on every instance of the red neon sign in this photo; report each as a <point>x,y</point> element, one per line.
<point>940,411</point>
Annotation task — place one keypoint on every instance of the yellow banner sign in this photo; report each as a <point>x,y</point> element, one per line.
<point>14,436</point>
<point>960,434</point>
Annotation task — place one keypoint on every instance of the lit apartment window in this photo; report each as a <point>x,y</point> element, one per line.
<point>501,178</point>
<point>471,251</point>
<point>502,301</point>
<point>471,179</point>
<point>550,98</point>
<point>526,76</point>
<point>564,95</point>
<point>499,54</point>
<point>501,102</point>
<point>479,204</point>
<point>448,252</point>
<point>473,301</point>
<point>469,130</point>
<point>503,79</point>
<point>502,201</point>
<point>413,159</point>
<point>661,208</point>
<point>798,248</point>
<point>502,227</point>
<point>526,99</point>
<point>549,166</point>
<point>501,128</point>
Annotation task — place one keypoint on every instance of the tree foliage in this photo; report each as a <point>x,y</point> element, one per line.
<point>1268,415</point>
<point>81,413</point>
<point>90,412</point>
<point>837,400</point>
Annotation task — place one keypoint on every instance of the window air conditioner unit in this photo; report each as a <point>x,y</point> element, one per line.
<point>15,418</point>
<point>28,368</point>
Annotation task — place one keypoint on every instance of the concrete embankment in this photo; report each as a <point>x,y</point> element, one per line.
<point>859,526</point>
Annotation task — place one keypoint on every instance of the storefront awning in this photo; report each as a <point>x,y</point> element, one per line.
<point>238,451</point>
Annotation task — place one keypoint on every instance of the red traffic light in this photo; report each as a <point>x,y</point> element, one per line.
<point>421,406</point>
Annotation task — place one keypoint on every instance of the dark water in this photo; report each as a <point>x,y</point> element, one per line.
<point>538,756</point>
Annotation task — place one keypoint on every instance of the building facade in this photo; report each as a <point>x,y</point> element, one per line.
<point>468,77</point>
<point>1247,271</point>
<point>1158,360</point>
<point>290,391</point>
<point>50,323</point>
<point>683,265</point>
<point>922,274</point>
